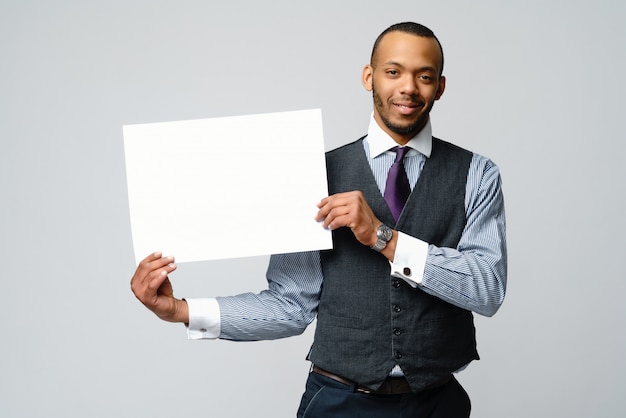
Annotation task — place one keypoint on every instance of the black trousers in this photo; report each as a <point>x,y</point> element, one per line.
<point>327,398</point>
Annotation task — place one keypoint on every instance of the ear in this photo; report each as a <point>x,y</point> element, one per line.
<point>441,88</point>
<point>366,77</point>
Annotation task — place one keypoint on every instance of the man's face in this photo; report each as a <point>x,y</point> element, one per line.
<point>405,82</point>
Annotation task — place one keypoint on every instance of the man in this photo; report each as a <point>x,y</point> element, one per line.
<point>394,314</point>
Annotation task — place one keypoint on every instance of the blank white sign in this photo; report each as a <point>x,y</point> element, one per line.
<point>227,187</point>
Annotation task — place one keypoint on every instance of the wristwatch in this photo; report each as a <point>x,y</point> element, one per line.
<point>384,234</point>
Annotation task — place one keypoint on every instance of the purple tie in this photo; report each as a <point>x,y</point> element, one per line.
<point>397,189</point>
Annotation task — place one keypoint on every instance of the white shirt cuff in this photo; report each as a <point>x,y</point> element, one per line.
<point>410,259</point>
<point>204,319</point>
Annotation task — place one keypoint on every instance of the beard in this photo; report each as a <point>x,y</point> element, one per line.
<point>412,128</point>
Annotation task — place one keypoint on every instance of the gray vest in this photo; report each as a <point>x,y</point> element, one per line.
<point>369,321</point>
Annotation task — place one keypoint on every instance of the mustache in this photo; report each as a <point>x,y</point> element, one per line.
<point>410,99</point>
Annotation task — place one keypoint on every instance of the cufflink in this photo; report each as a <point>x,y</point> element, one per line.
<point>406,271</point>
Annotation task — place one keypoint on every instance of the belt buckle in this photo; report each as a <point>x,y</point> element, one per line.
<point>364,390</point>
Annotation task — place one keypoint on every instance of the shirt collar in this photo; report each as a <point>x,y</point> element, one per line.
<point>379,141</point>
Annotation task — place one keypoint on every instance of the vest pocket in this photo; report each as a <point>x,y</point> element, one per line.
<point>450,339</point>
<point>343,321</point>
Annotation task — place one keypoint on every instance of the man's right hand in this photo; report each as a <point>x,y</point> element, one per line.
<point>152,287</point>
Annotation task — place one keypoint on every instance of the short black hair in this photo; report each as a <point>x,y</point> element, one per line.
<point>407,27</point>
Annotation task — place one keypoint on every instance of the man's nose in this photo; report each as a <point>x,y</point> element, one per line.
<point>409,86</point>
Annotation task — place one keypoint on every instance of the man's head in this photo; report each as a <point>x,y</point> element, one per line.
<point>405,77</point>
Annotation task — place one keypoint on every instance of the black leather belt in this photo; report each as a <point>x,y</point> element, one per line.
<point>390,386</point>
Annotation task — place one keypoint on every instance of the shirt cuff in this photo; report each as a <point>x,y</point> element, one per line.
<point>204,319</point>
<point>409,260</point>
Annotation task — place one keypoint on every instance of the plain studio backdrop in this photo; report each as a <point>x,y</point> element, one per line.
<point>538,86</point>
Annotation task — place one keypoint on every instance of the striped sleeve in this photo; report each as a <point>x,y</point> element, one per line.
<point>285,308</point>
<point>473,275</point>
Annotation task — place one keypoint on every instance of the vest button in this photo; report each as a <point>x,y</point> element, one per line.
<point>396,331</point>
<point>396,308</point>
<point>398,355</point>
<point>396,283</point>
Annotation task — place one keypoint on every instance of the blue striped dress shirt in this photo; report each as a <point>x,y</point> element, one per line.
<point>471,276</point>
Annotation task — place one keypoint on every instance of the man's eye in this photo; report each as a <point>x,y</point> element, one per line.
<point>392,72</point>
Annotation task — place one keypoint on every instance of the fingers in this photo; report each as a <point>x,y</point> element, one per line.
<point>337,206</point>
<point>351,210</point>
<point>332,212</point>
<point>151,273</point>
<point>152,287</point>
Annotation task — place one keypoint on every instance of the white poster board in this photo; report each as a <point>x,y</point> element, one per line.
<point>227,187</point>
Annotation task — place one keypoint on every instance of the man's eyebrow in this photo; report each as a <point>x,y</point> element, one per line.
<point>393,63</point>
<point>397,64</point>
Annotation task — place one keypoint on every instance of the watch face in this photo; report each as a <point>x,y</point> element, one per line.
<point>384,232</point>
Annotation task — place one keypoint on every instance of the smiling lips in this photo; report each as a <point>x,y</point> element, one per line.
<point>407,108</point>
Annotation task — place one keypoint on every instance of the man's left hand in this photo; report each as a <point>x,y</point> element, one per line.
<point>349,209</point>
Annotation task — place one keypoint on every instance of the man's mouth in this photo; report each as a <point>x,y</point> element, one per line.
<point>407,108</point>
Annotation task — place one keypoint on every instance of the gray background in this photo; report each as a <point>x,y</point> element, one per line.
<point>538,86</point>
